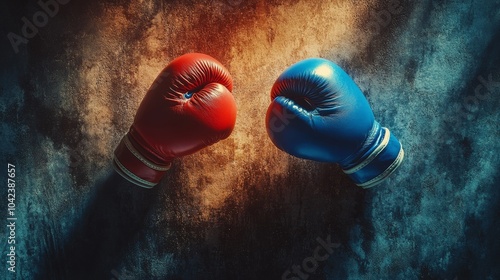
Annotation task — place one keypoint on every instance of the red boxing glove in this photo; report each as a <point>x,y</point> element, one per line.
<point>188,107</point>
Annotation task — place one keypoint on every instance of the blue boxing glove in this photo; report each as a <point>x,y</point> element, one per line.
<point>318,112</point>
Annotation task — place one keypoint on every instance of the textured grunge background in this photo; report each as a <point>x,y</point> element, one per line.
<point>242,209</point>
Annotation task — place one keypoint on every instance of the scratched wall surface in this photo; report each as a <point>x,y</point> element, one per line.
<point>242,209</point>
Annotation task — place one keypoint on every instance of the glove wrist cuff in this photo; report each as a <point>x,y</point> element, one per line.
<point>132,165</point>
<point>381,156</point>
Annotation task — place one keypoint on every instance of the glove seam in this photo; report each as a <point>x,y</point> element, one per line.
<point>131,177</point>
<point>136,153</point>
<point>373,155</point>
<point>387,172</point>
